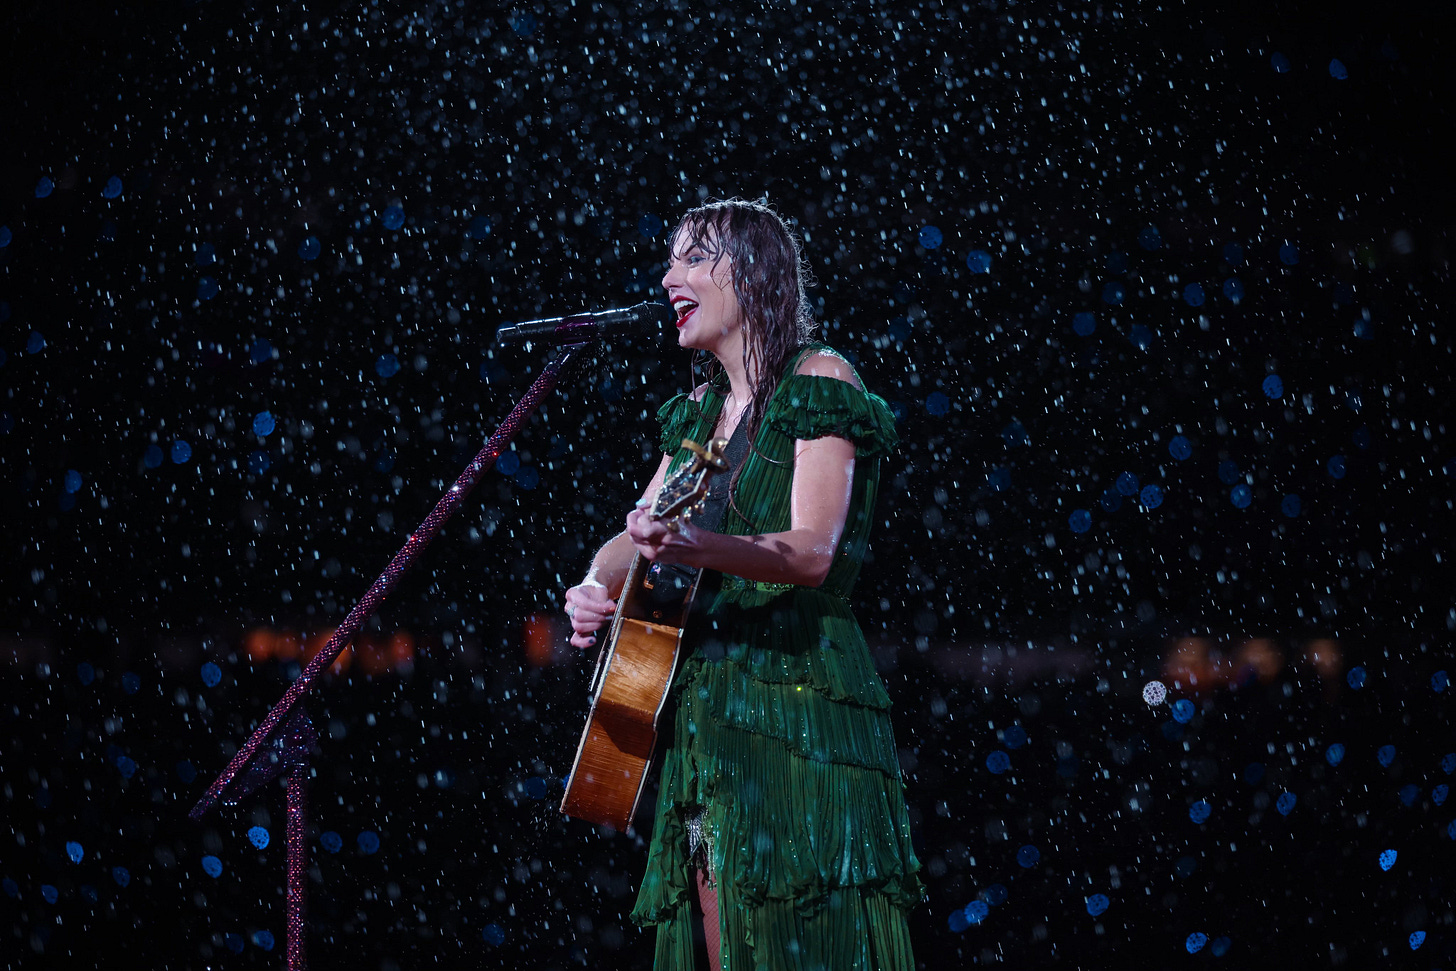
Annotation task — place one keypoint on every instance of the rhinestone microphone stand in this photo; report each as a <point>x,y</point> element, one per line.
<point>282,743</point>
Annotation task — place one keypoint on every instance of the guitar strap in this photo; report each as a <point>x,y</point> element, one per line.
<point>671,581</point>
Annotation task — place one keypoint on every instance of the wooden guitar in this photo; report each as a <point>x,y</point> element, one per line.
<point>637,661</point>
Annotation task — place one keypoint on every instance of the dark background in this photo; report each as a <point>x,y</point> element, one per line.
<point>323,211</point>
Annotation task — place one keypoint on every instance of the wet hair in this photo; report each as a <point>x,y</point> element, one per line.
<point>769,280</point>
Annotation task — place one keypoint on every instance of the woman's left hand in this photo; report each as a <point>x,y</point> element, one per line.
<point>656,542</point>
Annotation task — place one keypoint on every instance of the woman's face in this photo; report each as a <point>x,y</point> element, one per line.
<point>699,284</point>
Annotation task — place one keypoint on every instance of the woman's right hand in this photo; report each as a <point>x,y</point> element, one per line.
<point>588,607</point>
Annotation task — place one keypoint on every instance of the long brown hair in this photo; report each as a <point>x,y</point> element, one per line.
<point>769,280</point>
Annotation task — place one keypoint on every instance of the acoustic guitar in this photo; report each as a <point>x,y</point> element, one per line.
<point>637,661</point>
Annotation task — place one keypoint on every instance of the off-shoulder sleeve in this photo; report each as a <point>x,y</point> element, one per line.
<point>677,418</point>
<point>808,406</point>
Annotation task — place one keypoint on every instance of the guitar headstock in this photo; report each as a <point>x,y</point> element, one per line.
<point>685,489</point>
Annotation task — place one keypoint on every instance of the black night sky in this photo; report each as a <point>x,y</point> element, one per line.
<point>1156,294</point>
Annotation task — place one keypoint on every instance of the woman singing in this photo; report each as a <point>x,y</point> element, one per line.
<point>781,838</point>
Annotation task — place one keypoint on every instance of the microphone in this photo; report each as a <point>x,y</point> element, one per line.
<point>582,327</point>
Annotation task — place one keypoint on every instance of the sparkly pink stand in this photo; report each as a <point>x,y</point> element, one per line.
<point>282,743</point>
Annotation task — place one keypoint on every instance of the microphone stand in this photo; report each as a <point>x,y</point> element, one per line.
<point>283,742</point>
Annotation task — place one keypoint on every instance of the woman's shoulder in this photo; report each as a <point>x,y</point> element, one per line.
<point>821,361</point>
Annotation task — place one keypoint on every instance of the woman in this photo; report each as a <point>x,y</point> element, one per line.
<point>781,838</point>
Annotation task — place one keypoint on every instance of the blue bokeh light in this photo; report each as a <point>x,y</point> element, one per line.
<point>1151,496</point>
<point>368,842</point>
<point>1387,859</point>
<point>978,261</point>
<point>998,762</point>
<point>211,674</point>
<point>1193,295</point>
<point>1028,856</point>
<point>1241,496</point>
<point>112,189</point>
<point>1273,386</point>
<point>1195,941</point>
<point>1356,677</point>
<point>331,841</point>
<point>1097,904</point>
<point>75,851</point>
<point>1335,754</point>
<point>931,237</point>
<point>263,424</point>
<point>1084,323</point>
<point>1180,448</point>
<point>1291,505</point>
<point>1080,520</point>
<point>309,249</point>
<point>259,837</point>
<point>1200,811</point>
<point>1285,803</point>
<point>1338,71</point>
<point>212,866</point>
<point>393,218</point>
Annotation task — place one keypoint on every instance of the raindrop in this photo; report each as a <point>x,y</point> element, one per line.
<point>479,227</point>
<point>259,462</point>
<point>206,255</point>
<point>387,366</point>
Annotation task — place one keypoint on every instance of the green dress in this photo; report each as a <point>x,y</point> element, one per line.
<point>782,745</point>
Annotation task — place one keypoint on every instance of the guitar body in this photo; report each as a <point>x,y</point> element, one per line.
<point>635,669</point>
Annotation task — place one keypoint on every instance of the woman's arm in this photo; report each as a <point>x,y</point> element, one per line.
<point>803,554</point>
<point>818,507</point>
<point>591,603</point>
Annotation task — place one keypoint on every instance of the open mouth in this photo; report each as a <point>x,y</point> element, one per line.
<point>683,308</point>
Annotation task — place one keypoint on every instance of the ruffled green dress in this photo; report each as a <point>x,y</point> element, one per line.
<point>781,744</point>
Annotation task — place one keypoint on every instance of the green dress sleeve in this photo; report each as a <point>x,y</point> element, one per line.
<point>677,418</point>
<point>809,406</point>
